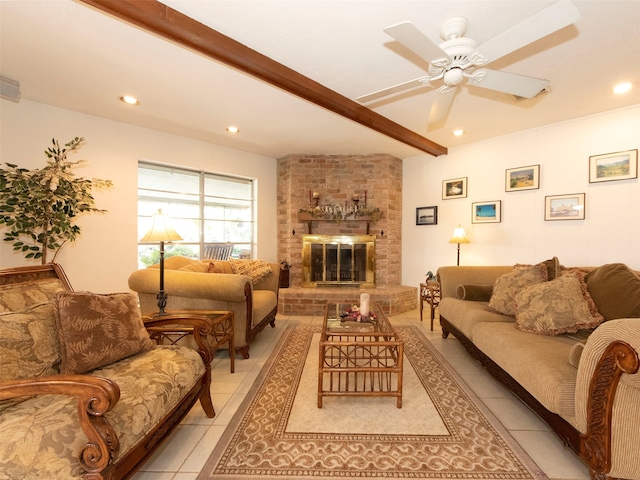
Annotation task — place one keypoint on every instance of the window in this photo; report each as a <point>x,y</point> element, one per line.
<point>206,210</point>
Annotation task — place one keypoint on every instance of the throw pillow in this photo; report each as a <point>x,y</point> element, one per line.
<point>254,269</point>
<point>213,268</point>
<point>559,306</point>
<point>28,345</point>
<point>615,289</point>
<point>553,268</point>
<point>474,293</point>
<point>96,330</point>
<point>199,267</point>
<point>509,284</point>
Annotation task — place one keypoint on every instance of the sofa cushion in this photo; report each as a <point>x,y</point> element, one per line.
<point>18,296</point>
<point>616,291</point>
<point>28,345</point>
<point>254,269</point>
<point>95,330</point>
<point>509,284</point>
<point>42,436</point>
<point>465,315</point>
<point>539,363</point>
<point>559,306</point>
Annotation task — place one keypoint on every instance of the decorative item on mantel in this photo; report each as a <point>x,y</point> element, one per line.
<point>339,212</point>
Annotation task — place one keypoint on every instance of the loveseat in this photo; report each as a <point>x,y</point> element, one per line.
<point>84,392</point>
<point>249,288</point>
<point>566,341</point>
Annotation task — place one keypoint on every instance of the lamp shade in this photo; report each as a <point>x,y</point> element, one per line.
<point>161,230</point>
<point>459,236</point>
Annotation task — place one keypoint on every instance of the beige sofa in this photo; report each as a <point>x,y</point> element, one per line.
<point>84,393</point>
<point>212,285</point>
<point>583,382</point>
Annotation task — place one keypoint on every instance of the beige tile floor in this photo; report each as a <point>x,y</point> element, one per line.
<point>185,453</point>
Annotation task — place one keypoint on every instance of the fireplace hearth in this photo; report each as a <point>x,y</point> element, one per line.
<point>338,261</point>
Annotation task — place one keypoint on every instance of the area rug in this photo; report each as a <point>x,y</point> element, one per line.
<point>442,430</point>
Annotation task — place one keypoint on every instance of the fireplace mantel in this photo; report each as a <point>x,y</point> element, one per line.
<point>309,219</point>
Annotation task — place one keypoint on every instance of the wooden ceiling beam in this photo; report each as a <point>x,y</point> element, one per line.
<point>162,20</point>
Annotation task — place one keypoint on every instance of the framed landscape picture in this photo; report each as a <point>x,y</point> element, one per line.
<point>427,215</point>
<point>564,207</point>
<point>454,188</point>
<point>486,212</point>
<point>522,178</point>
<point>613,166</point>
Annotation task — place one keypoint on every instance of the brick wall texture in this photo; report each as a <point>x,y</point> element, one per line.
<point>337,178</point>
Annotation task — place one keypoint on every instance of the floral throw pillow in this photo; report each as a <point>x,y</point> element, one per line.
<point>97,330</point>
<point>509,284</point>
<point>559,306</point>
<point>28,345</point>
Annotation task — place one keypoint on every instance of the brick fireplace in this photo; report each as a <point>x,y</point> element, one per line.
<point>337,179</point>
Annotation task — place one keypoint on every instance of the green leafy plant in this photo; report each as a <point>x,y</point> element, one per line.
<point>38,207</point>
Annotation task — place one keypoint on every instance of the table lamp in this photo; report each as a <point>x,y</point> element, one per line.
<point>161,231</point>
<point>459,237</point>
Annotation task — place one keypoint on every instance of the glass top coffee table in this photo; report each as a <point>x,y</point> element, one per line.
<point>359,358</point>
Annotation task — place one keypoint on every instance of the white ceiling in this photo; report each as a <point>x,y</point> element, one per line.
<point>67,54</point>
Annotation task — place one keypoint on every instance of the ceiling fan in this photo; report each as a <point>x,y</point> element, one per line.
<point>456,59</point>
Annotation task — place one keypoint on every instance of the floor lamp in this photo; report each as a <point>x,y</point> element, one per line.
<point>161,231</point>
<point>459,237</point>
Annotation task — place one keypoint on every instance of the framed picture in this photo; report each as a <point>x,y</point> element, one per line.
<point>427,216</point>
<point>613,166</point>
<point>564,207</point>
<point>454,188</point>
<point>522,178</point>
<point>486,212</point>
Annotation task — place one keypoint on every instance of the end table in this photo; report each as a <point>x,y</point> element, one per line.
<point>429,292</point>
<point>222,333</point>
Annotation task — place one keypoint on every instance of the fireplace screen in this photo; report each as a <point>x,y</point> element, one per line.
<point>338,260</point>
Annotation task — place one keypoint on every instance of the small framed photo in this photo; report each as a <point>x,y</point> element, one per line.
<point>564,207</point>
<point>486,212</point>
<point>454,188</point>
<point>613,166</point>
<point>427,215</point>
<point>522,178</point>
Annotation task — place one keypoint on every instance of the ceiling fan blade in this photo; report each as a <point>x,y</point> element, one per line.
<point>416,41</point>
<point>401,87</point>
<point>520,85</point>
<point>441,105</point>
<point>543,23</point>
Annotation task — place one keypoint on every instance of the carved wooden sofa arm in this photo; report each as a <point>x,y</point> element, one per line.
<point>171,327</point>
<point>607,389</point>
<point>96,396</point>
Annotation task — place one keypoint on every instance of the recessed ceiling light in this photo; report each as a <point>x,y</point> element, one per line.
<point>621,88</point>
<point>458,132</point>
<point>129,100</point>
<point>232,129</point>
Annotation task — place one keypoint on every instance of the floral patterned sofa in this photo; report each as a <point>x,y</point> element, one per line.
<point>84,392</point>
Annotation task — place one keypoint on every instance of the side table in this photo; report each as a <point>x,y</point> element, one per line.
<point>222,332</point>
<point>430,293</point>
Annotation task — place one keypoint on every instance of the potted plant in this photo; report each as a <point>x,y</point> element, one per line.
<point>38,207</point>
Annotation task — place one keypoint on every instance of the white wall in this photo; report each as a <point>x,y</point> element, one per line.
<point>609,233</point>
<point>105,254</point>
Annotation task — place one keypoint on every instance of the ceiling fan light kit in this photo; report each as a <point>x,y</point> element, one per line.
<point>457,57</point>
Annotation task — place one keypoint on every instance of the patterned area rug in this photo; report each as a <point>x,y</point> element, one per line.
<point>442,430</point>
